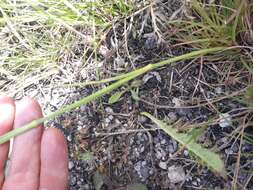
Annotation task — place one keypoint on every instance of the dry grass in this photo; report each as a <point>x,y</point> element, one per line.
<point>40,39</point>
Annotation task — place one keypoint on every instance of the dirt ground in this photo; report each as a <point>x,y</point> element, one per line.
<point>113,146</point>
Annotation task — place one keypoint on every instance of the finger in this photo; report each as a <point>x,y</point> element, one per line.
<point>7,111</point>
<point>54,161</point>
<point>25,159</point>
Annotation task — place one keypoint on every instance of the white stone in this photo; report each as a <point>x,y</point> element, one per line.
<point>109,110</point>
<point>176,174</point>
<point>225,120</point>
<point>163,165</point>
<point>110,117</point>
<point>177,102</point>
<point>71,165</point>
<point>218,90</point>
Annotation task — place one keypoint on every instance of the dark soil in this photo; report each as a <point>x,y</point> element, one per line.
<point>120,147</point>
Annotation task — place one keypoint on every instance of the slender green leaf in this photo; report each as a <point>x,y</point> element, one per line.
<point>87,156</point>
<point>248,97</point>
<point>202,12</point>
<point>134,95</point>
<point>98,180</point>
<point>116,97</point>
<point>211,159</point>
<point>137,186</point>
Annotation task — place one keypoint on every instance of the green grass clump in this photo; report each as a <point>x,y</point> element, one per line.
<point>214,24</point>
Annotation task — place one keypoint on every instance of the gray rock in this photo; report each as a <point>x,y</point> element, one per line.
<point>110,117</point>
<point>69,138</point>
<point>73,181</point>
<point>142,119</point>
<point>150,75</point>
<point>108,110</point>
<point>71,165</point>
<point>137,166</point>
<point>83,108</point>
<point>151,41</point>
<point>172,147</point>
<point>163,165</point>
<point>186,152</point>
<point>218,90</point>
<point>86,186</point>
<point>158,154</point>
<point>144,173</point>
<point>172,117</point>
<point>142,170</point>
<point>141,149</point>
<point>176,174</point>
<point>144,163</point>
<point>225,120</point>
<point>107,120</point>
<point>195,183</point>
<point>163,142</point>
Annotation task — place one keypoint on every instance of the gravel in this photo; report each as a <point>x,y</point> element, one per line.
<point>148,155</point>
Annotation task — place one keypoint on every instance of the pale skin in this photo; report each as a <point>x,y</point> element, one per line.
<point>39,158</point>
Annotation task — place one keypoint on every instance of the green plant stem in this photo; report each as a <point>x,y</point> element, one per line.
<point>122,79</point>
<point>155,65</point>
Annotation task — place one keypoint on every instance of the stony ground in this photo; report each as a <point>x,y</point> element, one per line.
<point>113,146</point>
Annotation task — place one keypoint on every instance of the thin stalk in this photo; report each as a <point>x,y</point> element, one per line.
<point>122,79</point>
<point>167,61</point>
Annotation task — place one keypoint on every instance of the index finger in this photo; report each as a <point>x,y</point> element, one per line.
<point>7,112</point>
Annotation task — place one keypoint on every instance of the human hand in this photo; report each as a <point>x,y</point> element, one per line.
<point>39,159</point>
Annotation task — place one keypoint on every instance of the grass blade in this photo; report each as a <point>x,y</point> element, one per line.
<point>122,79</point>
<point>116,97</point>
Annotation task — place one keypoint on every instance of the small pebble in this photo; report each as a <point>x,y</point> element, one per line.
<point>195,183</point>
<point>163,165</point>
<point>83,108</point>
<point>144,163</point>
<point>73,181</point>
<point>176,174</point>
<point>229,151</point>
<point>110,117</point>
<point>69,138</point>
<point>108,110</point>
<point>177,102</point>
<point>172,117</point>
<point>151,41</point>
<point>71,165</point>
<point>225,120</point>
<point>142,148</point>
<point>117,121</point>
<point>158,155</point>
<point>79,128</point>
<point>86,186</point>
<point>218,90</point>
<point>163,142</point>
<point>107,120</point>
<point>142,119</point>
